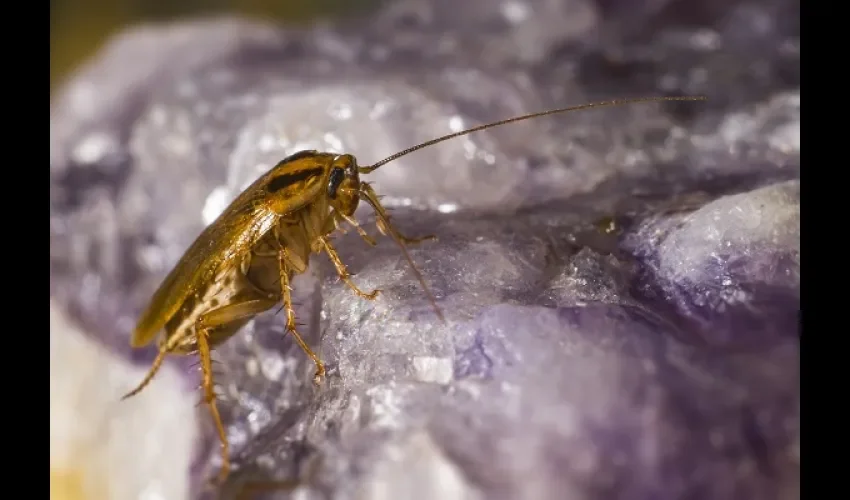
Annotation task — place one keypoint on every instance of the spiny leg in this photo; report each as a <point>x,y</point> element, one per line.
<point>371,198</point>
<point>384,225</point>
<point>343,272</point>
<point>290,319</point>
<point>157,363</point>
<point>362,232</point>
<point>209,399</point>
<point>212,319</point>
<point>336,225</point>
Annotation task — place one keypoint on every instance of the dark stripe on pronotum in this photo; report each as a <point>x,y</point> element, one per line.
<point>287,180</point>
<point>299,155</point>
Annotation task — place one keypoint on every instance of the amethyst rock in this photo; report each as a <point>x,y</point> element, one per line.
<point>621,285</point>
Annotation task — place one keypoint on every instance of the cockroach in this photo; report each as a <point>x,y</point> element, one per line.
<point>241,265</point>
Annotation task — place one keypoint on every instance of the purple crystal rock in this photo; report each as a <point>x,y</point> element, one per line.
<point>621,285</point>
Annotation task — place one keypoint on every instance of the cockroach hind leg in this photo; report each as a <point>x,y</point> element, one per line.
<point>210,400</point>
<point>155,366</point>
<point>212,319</point>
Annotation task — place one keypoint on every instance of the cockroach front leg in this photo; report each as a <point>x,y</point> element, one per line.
<point>343,272</point>
<point>362,232</point>
<point>384,225</point>
<point>209,321</point>
<point>290,318</point>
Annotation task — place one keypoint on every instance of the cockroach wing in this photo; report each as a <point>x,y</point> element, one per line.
<point>222,244</point>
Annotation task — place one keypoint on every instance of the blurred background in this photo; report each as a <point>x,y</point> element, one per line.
<point>79,27</point>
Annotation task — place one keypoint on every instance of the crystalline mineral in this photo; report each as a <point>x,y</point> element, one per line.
<point>621,285</point>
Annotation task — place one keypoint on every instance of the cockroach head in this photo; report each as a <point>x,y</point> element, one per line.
<point>344,184</point>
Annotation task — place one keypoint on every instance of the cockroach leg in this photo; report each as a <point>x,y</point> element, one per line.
<point>209,399</point>
<point>371,198</point>
<point>290,319</point>
<point>384,225</point>
<point>343,272</point>
<point>205,323</point>
<point>362,232</point>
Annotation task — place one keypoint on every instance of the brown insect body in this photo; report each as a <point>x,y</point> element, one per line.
<point>228,241</point>
<point>241,264</point>
<point>250,236</point>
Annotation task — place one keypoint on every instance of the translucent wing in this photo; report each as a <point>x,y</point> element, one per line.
<point>222,244</point>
